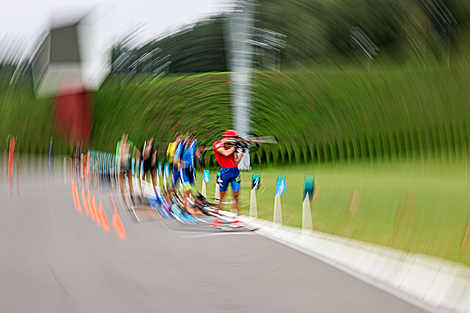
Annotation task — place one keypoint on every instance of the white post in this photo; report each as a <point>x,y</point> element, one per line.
<point>217,191</point>
<point>253,205</point>
<point>307,225</point>
<point>277,217</point>
<point>204,188</point>
<point>158,179</point>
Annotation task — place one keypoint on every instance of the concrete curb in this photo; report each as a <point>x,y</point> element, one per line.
<point>431,283</point>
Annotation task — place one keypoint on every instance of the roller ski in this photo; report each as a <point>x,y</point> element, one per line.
<point>179,215</point>
<point>221,224</point>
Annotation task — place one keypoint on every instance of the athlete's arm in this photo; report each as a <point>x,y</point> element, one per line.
<point>137,154</point>
<point>224,152</point>
<point>123,149</point>
<point>154,157</point>
<point>237,158</point>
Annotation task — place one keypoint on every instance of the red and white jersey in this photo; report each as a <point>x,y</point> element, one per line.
<point>224,162</point>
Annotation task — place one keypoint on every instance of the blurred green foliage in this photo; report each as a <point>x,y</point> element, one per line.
<point>316,117</point>
<point>318,32</point>
<point>195,49</point>
<point>152,109</point>
<point>338,116</point>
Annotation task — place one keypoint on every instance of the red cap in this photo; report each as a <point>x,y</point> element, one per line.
<point>230,133</point>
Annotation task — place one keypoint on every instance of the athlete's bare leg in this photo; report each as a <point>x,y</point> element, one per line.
<point>237,203</point>
<point>219,205</point>
<point>140,182</point>
<point>154,182</point>
<point>186,203</point>
<point>121,181</point>
<point>131,191</point>
<point>121,184</point>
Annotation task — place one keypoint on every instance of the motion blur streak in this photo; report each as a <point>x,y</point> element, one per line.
<point>369,98</point>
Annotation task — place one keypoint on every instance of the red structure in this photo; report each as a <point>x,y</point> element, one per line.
<point>73,115</point>
<point>70,63</point>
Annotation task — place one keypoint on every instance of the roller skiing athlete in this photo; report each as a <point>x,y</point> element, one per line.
<point>148,159</point>
<point>187,170</point>
<point>124,153</point>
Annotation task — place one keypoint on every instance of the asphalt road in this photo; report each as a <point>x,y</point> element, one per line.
<point>56,260</point>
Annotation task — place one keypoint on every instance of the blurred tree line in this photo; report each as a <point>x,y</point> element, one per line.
<point>194,49</point>
<point>317,32</point>
<point>321,30</point>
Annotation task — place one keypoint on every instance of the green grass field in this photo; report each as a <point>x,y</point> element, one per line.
<point>439,220</point>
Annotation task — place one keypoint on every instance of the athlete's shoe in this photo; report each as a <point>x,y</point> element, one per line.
<point>217,223</point>
<point>237,223</point>
<point>189,217</point>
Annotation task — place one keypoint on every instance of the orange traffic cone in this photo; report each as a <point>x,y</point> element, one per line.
<point>118,225</point>
<point>104,219</point>
<point>96,213</point>
<point>85,204</point>
<point>73,196</point>
<point>79,205</point>
<point>90,206</point>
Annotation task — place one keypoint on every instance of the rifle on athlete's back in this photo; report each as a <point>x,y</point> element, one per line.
<point>242,143</point>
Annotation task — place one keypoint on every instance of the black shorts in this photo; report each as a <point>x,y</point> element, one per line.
<point>148,166</point>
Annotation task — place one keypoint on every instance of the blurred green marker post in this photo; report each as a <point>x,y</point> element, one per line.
<point>280,190</point>
<point>309,188</point>
<point>255,183</point>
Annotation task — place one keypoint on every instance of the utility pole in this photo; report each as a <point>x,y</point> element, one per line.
<point>240,28</point>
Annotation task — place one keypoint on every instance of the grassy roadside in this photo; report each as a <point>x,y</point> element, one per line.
<point>440,214</point>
